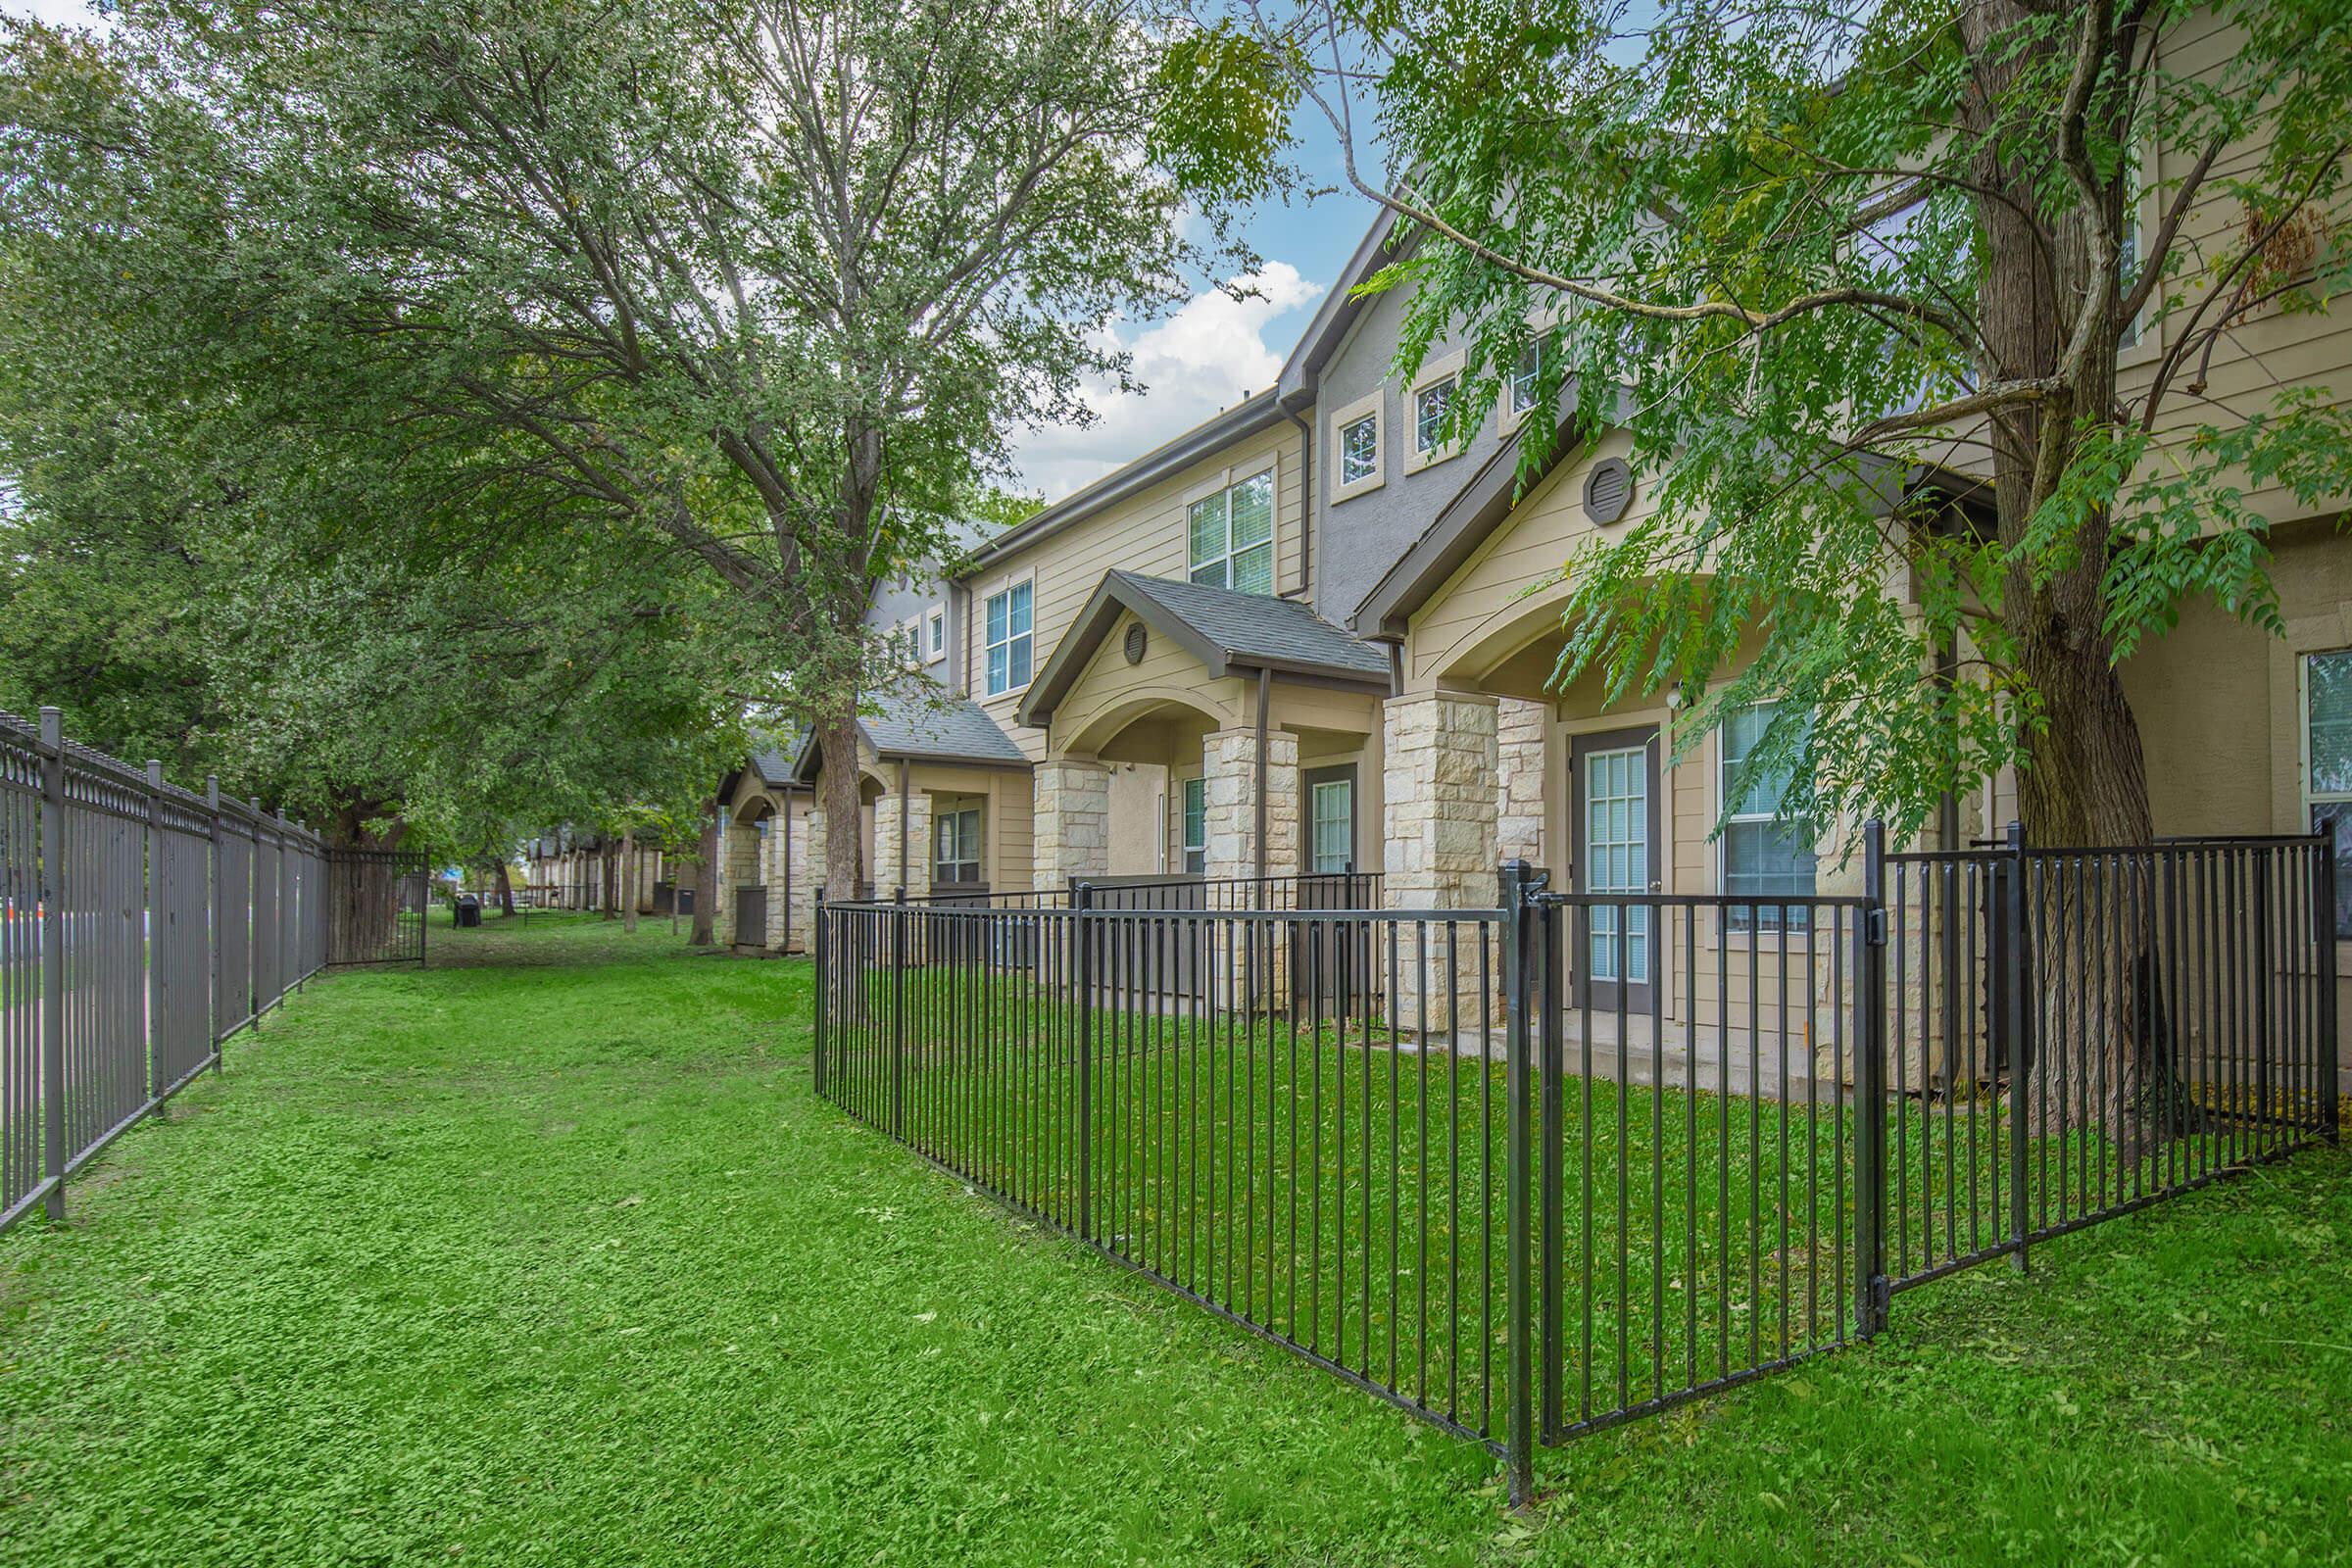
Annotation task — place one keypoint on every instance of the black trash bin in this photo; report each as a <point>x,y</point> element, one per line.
<point>468,911</point>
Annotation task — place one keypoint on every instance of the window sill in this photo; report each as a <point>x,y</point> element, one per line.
<point>1430,460</point>
<point>1361,487</point>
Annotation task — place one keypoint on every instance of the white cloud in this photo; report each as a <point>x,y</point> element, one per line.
<point>60,12</point>
<point>1208,355</point>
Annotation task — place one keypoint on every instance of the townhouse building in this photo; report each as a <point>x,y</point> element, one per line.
<point>1300,639</point>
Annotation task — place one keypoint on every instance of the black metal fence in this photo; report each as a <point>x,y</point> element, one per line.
<point>144,926</point>
<point>1536,1169</point>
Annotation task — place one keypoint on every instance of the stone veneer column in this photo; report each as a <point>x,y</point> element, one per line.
<point>1071,800</point>
<point>1229,766</point>
<point>804,888</point>
<point>902,865</point>
<point>1229,769</point>
<point>1440,808</point>
<point>787,888</point>
<point>1519,762</point>
<point>738,867</point>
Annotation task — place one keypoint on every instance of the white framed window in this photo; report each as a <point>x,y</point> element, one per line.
<point>1762,856</point>
<point>1520,395</point>
<point>935,634</point>
<point>2328,766</point>
<point>1427,410</point>
<point>1008,649</point>
<point>1231,535</point>
<point>956,834</point>
<point>910,637</point>
<point>1195,826</point>
<point>1357,463</point>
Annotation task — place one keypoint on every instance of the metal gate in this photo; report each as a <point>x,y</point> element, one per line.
<point>375,906</point>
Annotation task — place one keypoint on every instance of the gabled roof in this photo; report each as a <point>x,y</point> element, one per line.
<point>1480,507</point>
<point>1228,632</point>
<point>927,725</point>
<point>1460,526</point>
<point>1296,386</point>
<point>1252,414</point>
<point>770,765</point>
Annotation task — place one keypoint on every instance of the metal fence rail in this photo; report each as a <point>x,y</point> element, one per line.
<point>1539,1170</point>
<point>144,926</point>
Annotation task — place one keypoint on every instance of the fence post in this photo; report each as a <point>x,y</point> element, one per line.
<point>219,914</point>
<point>1870,1092</point>
<point>1518,1309</point>
<point>816,934</point>
<point>156,1081</point>
<point>898,1021</point>
<point>1552,1002</point>
<point>53,956</point>
<point>2330,1063</point>
<point>2264,1045</point>
<point>2013,1000</point>
<point>1082,900</point>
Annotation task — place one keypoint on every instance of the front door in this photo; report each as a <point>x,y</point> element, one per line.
<point>1616,784</point>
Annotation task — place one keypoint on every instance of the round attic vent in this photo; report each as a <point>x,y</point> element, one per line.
<point>1137,641</point>
<point>1608,490</point>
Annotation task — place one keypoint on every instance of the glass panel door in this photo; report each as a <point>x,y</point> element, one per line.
<point>1616,837</point>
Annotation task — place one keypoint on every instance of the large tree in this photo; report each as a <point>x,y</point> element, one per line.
<point>1821,249</point>
<point>765,284</point>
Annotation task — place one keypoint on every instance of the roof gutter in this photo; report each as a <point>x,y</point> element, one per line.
<point>1251,414</point>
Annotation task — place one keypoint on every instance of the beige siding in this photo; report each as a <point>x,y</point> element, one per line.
<point>2265,353</point>
<point>1144,535</point>
<point>1453,639</point>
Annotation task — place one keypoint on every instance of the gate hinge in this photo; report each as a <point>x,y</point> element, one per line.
<point>1874,927</point>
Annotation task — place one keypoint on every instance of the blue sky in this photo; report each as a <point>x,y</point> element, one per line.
<point>1202,355</point>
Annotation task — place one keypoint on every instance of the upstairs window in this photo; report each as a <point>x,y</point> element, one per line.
<point>1359,449</point>
<point>1232,534</point>
<point>1008,647</point>
<point>1428,413</point>
<point>1523,376</point>
<point>1763,857</point>
<point>1431,404</point>
<point>935,634</point>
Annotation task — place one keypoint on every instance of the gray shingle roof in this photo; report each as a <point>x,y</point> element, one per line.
<point>1255,630</point>
<point>931,725</point>
<point>1226,630</point>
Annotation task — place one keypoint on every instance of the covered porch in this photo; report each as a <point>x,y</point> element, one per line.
<point>1200,733</point>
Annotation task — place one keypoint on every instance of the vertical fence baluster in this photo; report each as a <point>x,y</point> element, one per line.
<point>1518,1308</point>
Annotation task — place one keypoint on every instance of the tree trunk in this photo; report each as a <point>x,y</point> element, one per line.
<point>632,875</point>
<point>2084,783</point>
<point>504,890</point>
<point>608,880</point>
<point>2086,779</point>
<point>706,884</point>
<point>837,737</point>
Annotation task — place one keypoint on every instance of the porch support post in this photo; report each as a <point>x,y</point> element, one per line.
<point>1440,811</point>
<point>1070,797</point>
<point>902,830</point>
<point>816,838</point>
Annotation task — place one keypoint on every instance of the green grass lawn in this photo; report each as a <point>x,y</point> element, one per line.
<point>549,1255</point>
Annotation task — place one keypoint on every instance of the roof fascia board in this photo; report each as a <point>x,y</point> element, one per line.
<point>1258,411</point>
